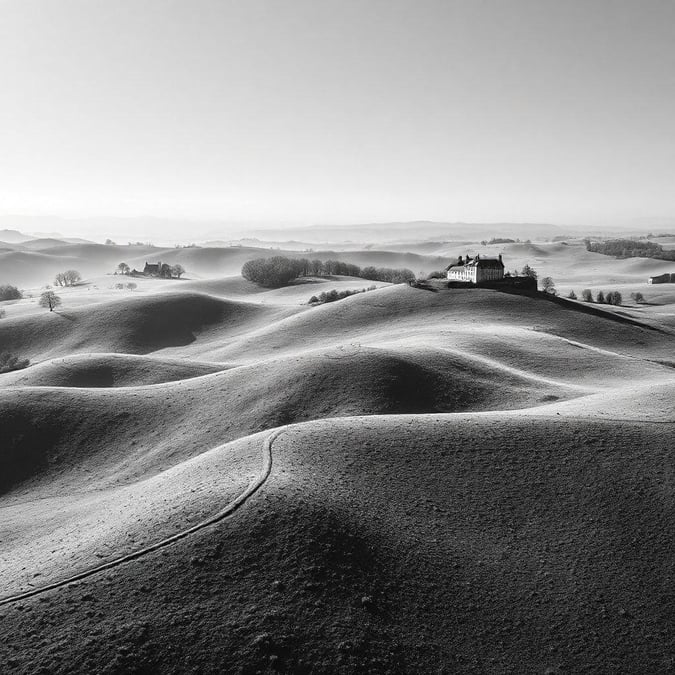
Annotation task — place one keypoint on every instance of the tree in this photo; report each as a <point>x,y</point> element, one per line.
<point>50,299</point>
<point>638,297</point>
<point>613,298</point>
<point>67,278</point>
<point>110,242</point>
<point>177,270</point>
<point>600,297</point>
<point>587,295</point>
<point>527,271</point>
<point>132,286</point>
<point>572,295</point>
<point>8,292</point>
<point>123,268</point>
<point>548,286</point>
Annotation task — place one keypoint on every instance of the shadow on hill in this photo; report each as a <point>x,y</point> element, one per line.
<point>576,306</point>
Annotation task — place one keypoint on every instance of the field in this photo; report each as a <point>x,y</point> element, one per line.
<point>202,475</point>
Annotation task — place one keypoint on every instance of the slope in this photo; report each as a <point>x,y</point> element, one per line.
<point>107,370</point>
<point>492,543</point>
<point>136,325</point>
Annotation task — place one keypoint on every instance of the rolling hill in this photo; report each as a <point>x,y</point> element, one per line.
<point>211,477</point>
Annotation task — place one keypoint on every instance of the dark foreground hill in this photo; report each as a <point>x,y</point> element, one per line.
<point>484,543</point>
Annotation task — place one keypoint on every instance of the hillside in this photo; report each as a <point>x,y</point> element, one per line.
<point>209,476</point>
<point>562,554</point>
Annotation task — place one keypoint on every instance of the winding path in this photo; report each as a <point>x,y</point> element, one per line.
<point>228,510</point>
<point>239,501</point>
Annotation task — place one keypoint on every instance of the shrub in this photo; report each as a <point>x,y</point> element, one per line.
<point>332,296</point>
<point>572,295</point>
<point>8,292</point>
<point>600,297</point>
<point>587,295</point>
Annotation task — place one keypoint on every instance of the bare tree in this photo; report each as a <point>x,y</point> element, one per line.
<point>50,299</point>
<point>548,286</point>
<point>67,278</point>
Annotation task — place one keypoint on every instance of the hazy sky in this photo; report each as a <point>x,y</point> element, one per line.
<point>338,111</point>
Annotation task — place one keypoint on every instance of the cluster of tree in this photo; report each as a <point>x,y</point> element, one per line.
<point>166,271</point>
<point>8,292</point>
<point>629,248</point>
<point>332,296</point>
<point>498,240</point>
<point>130,286</point>
<point>171,271</point>
<point>504,240</point>
<point>9,362</point>
<point>67,278</point>
<point>609,298</point>
<point>278,271</point>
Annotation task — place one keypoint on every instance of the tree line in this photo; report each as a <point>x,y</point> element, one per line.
<point>629,248</point>
<point>609,298</point>
<point>279,271</point>
<point>332,296</point>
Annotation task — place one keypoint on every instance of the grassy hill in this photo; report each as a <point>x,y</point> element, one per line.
<point>452,481</point>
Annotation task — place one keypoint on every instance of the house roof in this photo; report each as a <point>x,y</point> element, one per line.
<point>486,262</point>
<point>483,263</point>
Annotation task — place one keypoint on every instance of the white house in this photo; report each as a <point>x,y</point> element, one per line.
<point>475,270</point>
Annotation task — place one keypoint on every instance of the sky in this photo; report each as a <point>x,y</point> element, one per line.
<point>338,111</point>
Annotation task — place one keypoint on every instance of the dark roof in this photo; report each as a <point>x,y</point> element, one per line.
<point>489,263</point>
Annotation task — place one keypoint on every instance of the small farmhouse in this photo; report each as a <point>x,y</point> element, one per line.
<point>152,270</point>
<point>476,270</point>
